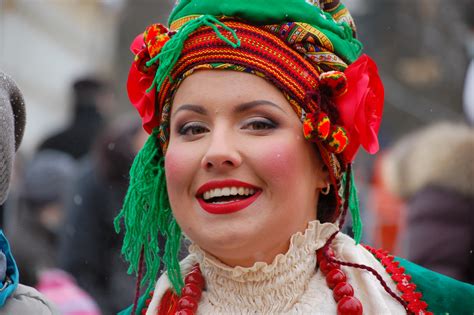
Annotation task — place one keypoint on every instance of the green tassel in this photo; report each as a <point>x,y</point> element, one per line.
<point>354,207</point>
<point>171,51</point>
<point>147,212</point>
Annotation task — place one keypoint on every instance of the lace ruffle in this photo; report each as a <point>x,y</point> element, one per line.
<point>240,286</point>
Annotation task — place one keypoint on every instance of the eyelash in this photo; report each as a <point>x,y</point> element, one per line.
<point>184,130</point>
<point>256,124</point>
<point>267,124</point>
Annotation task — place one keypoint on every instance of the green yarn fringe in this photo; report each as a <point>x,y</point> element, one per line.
<point>171,51</point>
<point>355,212</point>
<point>146,213</point>
<point>354,208</point>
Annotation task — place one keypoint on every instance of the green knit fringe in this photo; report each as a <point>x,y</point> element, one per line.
<point>354,208</point>
<point>171,51</point>
<point>147,212</point>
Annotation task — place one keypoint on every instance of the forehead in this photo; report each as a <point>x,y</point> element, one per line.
<point>225,87</point>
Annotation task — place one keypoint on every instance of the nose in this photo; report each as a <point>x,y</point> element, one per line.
<point>222,152</point>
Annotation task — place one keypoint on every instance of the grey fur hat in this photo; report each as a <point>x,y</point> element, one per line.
<point>12,127</point>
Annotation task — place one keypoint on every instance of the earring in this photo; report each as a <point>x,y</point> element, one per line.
<point>325,191</point>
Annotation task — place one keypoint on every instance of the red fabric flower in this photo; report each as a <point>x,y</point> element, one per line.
<point>361,107</point>
<point>137,85</point>
<point>140,78</point>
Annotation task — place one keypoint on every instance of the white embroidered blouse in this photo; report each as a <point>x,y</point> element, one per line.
<point>291,284</point>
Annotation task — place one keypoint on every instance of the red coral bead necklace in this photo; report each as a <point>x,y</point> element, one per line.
<point>336,279</point>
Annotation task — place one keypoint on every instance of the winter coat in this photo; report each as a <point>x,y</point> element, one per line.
<point>433,170</point>
<point>17,299</point>
<point>26,300</point>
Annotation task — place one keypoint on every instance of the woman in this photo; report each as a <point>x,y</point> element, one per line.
<point>260,192</point>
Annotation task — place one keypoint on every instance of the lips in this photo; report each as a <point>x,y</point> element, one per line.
<point>226,196</point>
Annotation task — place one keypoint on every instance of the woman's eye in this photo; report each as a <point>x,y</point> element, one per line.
<point>260,124</point>
<point>191,129</point>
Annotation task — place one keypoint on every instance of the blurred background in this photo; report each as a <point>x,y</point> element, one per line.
<point>71,60</point>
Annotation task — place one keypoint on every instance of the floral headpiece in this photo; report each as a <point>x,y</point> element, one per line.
<point>316,64</point>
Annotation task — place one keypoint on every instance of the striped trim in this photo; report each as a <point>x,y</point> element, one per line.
<point>260,51</point>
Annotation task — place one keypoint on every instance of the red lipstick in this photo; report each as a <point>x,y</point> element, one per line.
<point>227,207</point>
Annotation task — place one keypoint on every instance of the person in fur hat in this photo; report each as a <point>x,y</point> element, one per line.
<point>15,298</point>
<point>432,169</point>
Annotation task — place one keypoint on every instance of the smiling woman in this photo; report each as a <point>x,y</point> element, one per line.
<point>237,141</point>
<point>256,113</point>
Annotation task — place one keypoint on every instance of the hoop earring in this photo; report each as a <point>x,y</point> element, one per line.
<point>325,191</point>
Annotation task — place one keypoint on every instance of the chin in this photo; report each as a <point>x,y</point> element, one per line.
<point>228,242</point>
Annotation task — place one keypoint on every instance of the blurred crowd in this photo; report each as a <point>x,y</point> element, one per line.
<point>62,202</point>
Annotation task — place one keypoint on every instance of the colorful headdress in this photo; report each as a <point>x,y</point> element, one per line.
<point>305,48</point>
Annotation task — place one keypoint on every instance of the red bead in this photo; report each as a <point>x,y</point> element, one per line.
<point>416,305</point>
<point>326,266</point>
<point>196,278</point>
<point>192,290</point>
<point>341,290</point>
<point>330,252</point>
<point>334,277</point>
<point>387,260</point>
<point>187,302</point>
<point>168,303</point>
<point>185,312</point>
<point>349,305</point>
<point>408,296</point>
<point>320,253</point>
<point>405,288</point>
<point>403,278</point>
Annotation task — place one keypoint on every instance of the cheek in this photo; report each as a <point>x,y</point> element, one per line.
<point>277,160</point>
<point>173,163</point>
<point>178,167</point>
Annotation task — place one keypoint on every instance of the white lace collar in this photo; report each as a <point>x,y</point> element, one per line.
<point>277,285</point>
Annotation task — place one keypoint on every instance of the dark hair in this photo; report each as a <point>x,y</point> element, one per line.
<point>86,89</point>
<point>327,206</point>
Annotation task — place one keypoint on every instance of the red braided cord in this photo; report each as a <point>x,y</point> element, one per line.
<point>354,265</point>
<point>139,279</point>
<point>347,188</point>
<point>375,273</point>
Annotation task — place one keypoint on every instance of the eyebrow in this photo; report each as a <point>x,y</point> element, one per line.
<point>249,105</point>
<point>194,108</point>
<point>239,109</point>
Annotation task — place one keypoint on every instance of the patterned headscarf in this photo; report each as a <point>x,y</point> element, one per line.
<point>307,49</point>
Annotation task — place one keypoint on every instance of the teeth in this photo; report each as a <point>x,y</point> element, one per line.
<point>228,191</point>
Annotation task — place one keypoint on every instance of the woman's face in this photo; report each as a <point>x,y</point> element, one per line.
<point>241,177</point>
